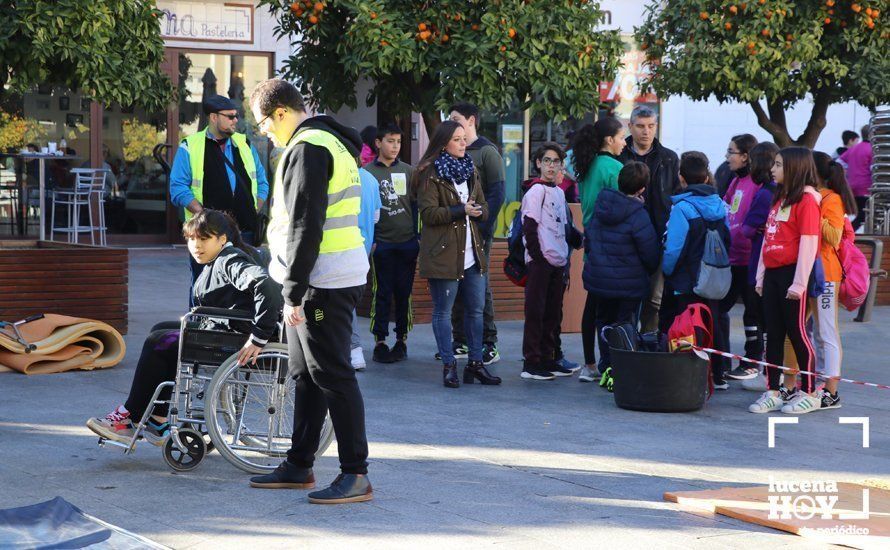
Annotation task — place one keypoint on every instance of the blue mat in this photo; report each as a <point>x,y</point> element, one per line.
<point>57,523</point>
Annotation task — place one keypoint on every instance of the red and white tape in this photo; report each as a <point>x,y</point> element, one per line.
<point>789,370</point>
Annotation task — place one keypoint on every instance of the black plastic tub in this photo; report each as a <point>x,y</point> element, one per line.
<point>659,382</point>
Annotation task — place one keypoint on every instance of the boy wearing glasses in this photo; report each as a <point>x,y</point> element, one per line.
<point>218,168</point>
<point>546,256</point>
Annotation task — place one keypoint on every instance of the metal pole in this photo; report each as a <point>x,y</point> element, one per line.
<point>42,189</point>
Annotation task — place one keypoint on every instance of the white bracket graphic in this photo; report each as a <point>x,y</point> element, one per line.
<point>857,420</point>
<point>771,431</point>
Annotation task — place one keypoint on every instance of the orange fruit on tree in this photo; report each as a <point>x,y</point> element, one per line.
<point>856,8</point>
<point>743,6</point>
<point>424,35</point>
<point>751,45</point>
<point>475,27</point>
<point>829,3</point>
<point>704,16</point>
<point>445,38</point>
<point>789,37</point>
<point>875,13</point>
<point>868,12</point>
<point>295,6</point>
<point>313,19</point>
<point>373,15</point>
<point>421,27</point>
<point>733,10</point>
<point>765,32</point>
<point>504,48</point>
<point>727,26</point>
<point>828,20</point>
<point>318,6</point>
<point>384,43</point>
<point>511,33</point>
<point>761,2</point>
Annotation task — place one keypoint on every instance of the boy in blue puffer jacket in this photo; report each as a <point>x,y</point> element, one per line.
<point>697,207</point>
<point>622,252</point>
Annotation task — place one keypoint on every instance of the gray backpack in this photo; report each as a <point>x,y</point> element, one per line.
<point>714,275</point>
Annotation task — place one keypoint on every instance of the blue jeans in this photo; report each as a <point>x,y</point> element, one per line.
<point>472,291</point>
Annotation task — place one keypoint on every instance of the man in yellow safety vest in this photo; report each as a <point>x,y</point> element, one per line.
<point>219,168</point>
<point>319,257</point>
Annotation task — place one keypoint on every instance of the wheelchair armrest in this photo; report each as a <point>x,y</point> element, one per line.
<point>221,312</point>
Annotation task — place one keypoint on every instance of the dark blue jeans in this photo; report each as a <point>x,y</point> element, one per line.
<point>472,291</point>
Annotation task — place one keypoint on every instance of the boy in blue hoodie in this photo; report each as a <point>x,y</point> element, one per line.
<point>621,253</point>
<point>695,209</point>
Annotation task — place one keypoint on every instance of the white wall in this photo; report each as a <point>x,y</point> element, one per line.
<point>707,126</point>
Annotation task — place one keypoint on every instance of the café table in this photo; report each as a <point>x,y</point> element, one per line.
<point>41,159</point>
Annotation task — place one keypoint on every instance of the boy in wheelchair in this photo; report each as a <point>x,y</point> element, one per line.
<point>231,279</point>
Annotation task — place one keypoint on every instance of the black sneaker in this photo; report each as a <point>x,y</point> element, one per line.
<point>830,401</point>
<point>558,370</point>
<point>721,385</point>
<point>460,351</point>
<point>399,351</point>
<point>742,372</point>
<point>490,354</point>
<point>536,372</point>
<point>285,476</point>
<point>346,488</point>
<point>156,433</point>
<point>382,354</point>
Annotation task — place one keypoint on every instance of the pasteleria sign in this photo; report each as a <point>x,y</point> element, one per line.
<point>206,21</point>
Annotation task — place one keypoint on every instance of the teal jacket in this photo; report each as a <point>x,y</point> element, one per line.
<point>602,175</point>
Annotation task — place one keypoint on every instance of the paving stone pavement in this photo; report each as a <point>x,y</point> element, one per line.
<point>525,465</point>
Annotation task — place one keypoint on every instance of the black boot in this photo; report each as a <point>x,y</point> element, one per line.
<point>346,488</point>
<point>285,476</point>
<point>449,376</point>
<point>475,370</point>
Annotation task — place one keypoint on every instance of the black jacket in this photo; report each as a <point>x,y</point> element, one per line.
<point>234,281</point>
<point>620,246</point>
<point>664,180</point>
<point>308,168</point>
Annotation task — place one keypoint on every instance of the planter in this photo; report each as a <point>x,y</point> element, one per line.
<point>69,279</point>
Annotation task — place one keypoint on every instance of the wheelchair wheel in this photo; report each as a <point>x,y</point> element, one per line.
<point>193,441</point>
<point>253,406</point>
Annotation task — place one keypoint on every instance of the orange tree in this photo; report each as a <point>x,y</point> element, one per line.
<point>112,49</point>
<point>419,56</point>
<point>771,54</point>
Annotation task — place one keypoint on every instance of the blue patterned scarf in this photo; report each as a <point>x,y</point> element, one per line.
<point>453,169</point>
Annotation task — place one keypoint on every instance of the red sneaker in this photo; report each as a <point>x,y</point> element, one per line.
<point>116,426</point>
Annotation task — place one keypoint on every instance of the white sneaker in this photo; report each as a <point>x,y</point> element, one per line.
<point>357,356</point>
<point>770,401</point>
<point>804,403</point>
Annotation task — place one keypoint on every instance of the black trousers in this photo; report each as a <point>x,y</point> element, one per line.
<point>157,363</point>
<point>325,380</point>
<point>783,318</point>
<point>392,272</point>
<point>750,318</point>
<point>544,291</point>
<point>489,330</point>
<point>718,369</point>
<point>861,202</point>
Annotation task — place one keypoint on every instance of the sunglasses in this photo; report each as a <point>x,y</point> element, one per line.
<point>230,117</point>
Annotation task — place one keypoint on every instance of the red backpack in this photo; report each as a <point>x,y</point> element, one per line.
<point>693,327</point>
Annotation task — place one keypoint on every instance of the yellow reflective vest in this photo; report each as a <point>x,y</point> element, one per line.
<point>196,144</point>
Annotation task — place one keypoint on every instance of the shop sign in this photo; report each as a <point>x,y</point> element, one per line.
<point>206,21</point>
<point>511,133</point>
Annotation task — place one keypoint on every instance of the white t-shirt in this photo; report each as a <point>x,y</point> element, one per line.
<point>463,191</point>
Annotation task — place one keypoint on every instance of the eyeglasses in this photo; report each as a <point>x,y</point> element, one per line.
<point>551,161</point>
<point>730,152</point>
<point>230,117</point>
<point>265,118</point>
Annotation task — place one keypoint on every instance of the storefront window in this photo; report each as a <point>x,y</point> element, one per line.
<point>136,187</point>
<point>43,120</point>
<point>508,134</point>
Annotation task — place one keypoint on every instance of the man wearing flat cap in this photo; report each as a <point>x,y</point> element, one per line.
<point>218,168</point>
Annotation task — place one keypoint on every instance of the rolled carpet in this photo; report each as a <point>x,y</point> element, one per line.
<point>63,343</point>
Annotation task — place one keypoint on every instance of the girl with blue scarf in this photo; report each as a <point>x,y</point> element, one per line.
<point>451,206</point>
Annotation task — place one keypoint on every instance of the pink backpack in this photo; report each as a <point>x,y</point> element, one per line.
<point>856,273</point>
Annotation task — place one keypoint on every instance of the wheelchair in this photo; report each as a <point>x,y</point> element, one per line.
<point>246,411</point>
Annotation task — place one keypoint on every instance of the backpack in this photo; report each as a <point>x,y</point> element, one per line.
<point>693,327</point>
<point>622,336</point>
<point>856,274</point>
<point>714,275</point>
<point>514,264</point>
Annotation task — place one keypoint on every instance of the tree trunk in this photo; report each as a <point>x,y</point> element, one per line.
<point>774,122</point>
<point>431,120</point>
